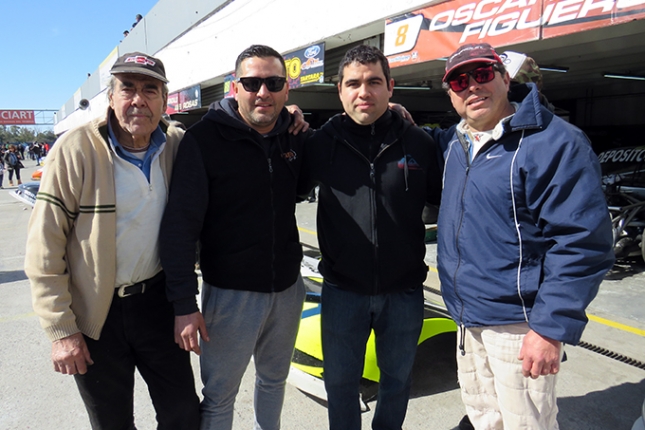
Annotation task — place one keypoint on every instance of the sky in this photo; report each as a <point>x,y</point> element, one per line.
<point>49,47</point>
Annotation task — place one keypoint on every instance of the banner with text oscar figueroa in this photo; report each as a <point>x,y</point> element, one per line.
<point>17,117</point>
<point>438,30</point>
<point>184,100</point>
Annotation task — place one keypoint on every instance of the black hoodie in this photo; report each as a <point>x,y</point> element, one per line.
<point>234,190</point>
<point>374,182</point>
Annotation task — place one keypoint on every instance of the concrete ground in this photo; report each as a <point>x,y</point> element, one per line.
<point>596,392</point>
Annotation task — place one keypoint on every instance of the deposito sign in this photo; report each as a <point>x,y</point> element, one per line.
<point>437,31</point>
<point>17,117</point>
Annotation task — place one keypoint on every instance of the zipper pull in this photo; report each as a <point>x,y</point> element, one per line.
<point>373,125</point>
<point>270,165</point>
<point>462,336</point>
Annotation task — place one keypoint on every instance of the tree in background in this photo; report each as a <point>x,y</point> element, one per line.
<point>16,134</point>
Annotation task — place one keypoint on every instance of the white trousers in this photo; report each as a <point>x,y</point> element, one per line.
<point>495,393</point>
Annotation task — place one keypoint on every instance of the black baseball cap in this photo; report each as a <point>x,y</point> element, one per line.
<point>471,53</point>
<point>139,63</point>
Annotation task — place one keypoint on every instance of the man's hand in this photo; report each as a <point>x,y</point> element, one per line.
<point>299,124</point>
<point>186,328</point>
<point>401,111</point>
<point>70,355</point>
<point>539,355</point>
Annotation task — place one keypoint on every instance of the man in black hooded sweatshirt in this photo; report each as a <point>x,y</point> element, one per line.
<point>375,172</point>
<point>234,190</point>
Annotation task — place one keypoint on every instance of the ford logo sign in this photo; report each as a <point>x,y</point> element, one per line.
<point>312,51</point>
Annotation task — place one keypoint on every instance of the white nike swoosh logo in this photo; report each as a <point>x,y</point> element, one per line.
<point>490,157</point>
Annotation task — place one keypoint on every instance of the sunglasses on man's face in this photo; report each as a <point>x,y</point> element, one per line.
<point>273,83</point>
<point>481,75</point>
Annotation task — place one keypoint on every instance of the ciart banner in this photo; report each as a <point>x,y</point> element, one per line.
<point>17,117</point>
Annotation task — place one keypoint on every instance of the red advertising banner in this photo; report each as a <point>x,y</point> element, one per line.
<point>573,16</point>
<point>17,117</point>
<point>437,31</point>
<point>185,100</point>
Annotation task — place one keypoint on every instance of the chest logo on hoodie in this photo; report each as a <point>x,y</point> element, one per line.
<point>412,163</point>
<point>290,155</point>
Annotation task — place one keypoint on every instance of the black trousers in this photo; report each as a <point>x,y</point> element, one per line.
<point>139,333</point>
<point>17,170</point>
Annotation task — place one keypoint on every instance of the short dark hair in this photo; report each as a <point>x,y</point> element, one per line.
<point>496,67</point>
<point>259,51</point>
<point>364,54</point>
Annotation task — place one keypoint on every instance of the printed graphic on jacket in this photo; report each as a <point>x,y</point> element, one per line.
<point>412,163</point>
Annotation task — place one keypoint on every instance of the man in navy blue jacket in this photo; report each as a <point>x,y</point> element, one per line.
<point>524,240</point>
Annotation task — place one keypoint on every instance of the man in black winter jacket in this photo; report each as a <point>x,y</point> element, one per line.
<point>234,190</point>
<point>375,172</point>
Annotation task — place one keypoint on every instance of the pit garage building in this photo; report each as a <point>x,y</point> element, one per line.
<point>591,53</point>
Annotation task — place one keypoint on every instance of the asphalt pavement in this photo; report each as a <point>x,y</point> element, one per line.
<point>601,386</point>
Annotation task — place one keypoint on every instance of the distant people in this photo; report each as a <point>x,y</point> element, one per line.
<point>92,255</point>
<point>524,241</point>
<point>250,253</point>
<point>137,18</point>
<point>37,150</point>
<point>523,69</point>
<point>376,172</point>
<point>13,164</point>
<point>2,167</point>
<point>174,122</point>
<point>125,33</point>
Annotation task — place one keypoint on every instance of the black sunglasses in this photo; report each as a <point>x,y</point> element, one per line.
<point>481,75</point>
<point>273,83</point>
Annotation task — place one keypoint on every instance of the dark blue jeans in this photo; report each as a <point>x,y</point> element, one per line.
<point>347,321</point>
<point>139,333</point>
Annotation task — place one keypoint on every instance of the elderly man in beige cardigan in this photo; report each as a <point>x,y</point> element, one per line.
<point>93,261</point>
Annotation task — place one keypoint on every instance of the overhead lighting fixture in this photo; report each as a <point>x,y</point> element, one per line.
<point>554,69</point>
<point>622,76</point>
<point>324,84</point>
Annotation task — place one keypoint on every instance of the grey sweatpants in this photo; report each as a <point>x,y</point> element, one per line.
<point>242,324</point>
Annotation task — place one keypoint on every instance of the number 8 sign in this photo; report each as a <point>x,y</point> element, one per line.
<point>401,36</point>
